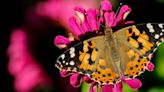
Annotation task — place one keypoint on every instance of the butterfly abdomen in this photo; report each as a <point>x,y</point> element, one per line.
<point>111,42</point>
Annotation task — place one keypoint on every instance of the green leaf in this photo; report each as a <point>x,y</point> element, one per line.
<point>160,1</point>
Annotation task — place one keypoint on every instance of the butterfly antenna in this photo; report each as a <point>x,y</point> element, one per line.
<point>102,25</point>
<point>117,11</point>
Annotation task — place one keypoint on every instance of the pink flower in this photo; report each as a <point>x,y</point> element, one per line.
<point>88,21</point>
<point>61,10</point>
<point>28,74</point>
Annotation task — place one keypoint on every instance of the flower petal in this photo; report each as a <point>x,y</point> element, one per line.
<point>150,67</point>
<point>118,87</point>
<point>134,83</point>
<point>124,11</point>
<point>65,73</point>
<point>75,27</point>
<point>93,87</point>
<point>92,19</point>
<point>129,22</point>
<point>87,79</point>
<point>80,12</point>
<point>101,20</point>
<point>107,88</point>
<point>85,26</point>
<point>109,17</point>
<point>32,78</point>
<point>80,9</point>
<point>61,40</point>
<point>106,5</point>
<point>75,80</point>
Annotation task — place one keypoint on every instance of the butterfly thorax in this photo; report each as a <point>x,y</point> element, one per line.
<point>111,41</point>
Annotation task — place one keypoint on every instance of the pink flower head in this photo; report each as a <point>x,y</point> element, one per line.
<point>61,10</point>
<point>90,21</point>
<point>28,74</point>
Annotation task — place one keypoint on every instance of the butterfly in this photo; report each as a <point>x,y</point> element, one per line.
<point>107,57</point>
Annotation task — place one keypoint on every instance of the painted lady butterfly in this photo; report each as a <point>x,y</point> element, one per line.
<point>104,58</point>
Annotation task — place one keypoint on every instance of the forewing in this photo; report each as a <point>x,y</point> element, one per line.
<point>138,42</point>
<point>91,57</point>
<point>81,57</point>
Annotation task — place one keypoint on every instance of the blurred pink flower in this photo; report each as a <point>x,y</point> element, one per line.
<point>89,21</point>
<point>28,74</point>
<point>61,10</point>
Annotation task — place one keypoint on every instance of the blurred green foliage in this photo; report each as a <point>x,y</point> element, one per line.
<point>159,62</point>
<point>160,1</point>
<point>156,89</point>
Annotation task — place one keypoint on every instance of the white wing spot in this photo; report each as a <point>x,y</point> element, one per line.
<point>72,63</point>
<point>151,30</point>
<point>58,61</point>
<point>62,56</point>
<point>156,36</point>
<point>162,30</point>
<point>66,63</point>
<point>72,49</point>
<point>72,55</point>
<point>63,61</point>
<point>72,52</point>
<point>161,34</point>
<point>160,25</point>
<point>149,25</point>
<point>154,49</point>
